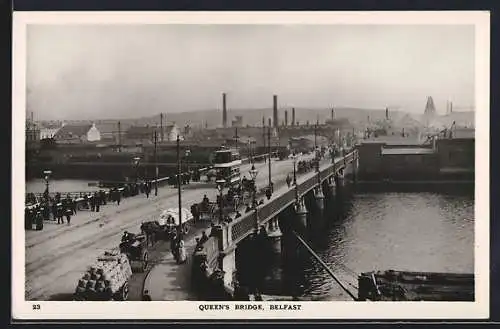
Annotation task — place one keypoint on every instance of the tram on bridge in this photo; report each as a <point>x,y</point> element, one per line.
<point>227,163</point>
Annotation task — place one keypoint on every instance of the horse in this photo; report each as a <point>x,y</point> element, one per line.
<point>152,231</point>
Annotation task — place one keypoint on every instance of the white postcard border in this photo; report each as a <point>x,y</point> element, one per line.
<point>22,309</point>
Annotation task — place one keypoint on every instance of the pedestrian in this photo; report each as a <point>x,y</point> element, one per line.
<point>102,196</point>
<point>173,245</point>
<point>146,188</point>
<point>73,207</point>
<point>69,212</point>
<point>182,257</point>
<point>118,197</point>
<point>60,219</point>
<point>92,202</point>
<point>97,201</point>
<point>39,221</point>
<point>288,180</point>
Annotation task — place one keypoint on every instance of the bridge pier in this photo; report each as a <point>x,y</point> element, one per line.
<point>320,200</point>
<point>274,236</point>
<point>227,256</point>
<point>332,187</point>
<point>339,180</point>
<point>301,214</point>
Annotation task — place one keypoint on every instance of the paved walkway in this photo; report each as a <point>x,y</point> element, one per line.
<point>168,280</point>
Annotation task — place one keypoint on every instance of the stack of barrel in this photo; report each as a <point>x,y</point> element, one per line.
<point>107,279</point>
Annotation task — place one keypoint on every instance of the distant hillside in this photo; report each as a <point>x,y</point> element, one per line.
<point>213,118</point>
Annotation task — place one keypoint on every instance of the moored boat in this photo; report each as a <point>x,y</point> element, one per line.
<point>415,286</point>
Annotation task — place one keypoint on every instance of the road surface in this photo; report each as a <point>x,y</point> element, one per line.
<point>57,256</point>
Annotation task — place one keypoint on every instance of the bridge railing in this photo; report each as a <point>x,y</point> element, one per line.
<point>243,226</point>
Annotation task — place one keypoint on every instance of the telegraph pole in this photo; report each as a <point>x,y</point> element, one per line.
<point>269,152</point>
<point>179,184</point>
<point>264,135</point>
<point>236,138</point>
<point>156,164</point>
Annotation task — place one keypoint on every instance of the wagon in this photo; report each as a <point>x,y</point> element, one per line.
<point>136,249</point>
<point>207,211</point>
<point>107,279</point>
<point>167,224</point>
<point>169,219</point>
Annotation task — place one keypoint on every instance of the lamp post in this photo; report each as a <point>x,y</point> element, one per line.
<point>220,187</point>
<point>179,186</point>
<point>294,157</point>
<point>47,174</point>
<point>269,152</point>
<point>136,165</point>
<point>156,164</point>
<point>253,174</point>
<point>187,153</point>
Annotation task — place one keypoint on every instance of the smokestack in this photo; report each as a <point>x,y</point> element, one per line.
<point>293,116</point>
<point>263,122</point>
<point>286,118</point>
<point>451,107</point>
<point>269,122</point>
<point>387,113</point>
<point>275,110</point>
<point>224,111</point>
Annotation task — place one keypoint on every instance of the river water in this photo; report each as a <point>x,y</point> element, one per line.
<point>381,231</point>
<point>62,185</point>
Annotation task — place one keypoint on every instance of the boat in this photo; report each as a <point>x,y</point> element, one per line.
<point>393,285</point>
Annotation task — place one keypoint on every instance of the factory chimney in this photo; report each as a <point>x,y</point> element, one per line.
<point>293,116</point>
<point>286,118</point>
<point>224,111</point>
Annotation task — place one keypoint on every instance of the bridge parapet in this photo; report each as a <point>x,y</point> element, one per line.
<point>243,226</point>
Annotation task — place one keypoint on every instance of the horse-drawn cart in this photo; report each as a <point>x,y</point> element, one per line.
<point>136,249</point>
<point>167,224</point>
<point>106,279</point>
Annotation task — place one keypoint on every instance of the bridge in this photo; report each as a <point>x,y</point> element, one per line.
<point>285,211</point>
<point>57,255</point>
<point>79,196</point>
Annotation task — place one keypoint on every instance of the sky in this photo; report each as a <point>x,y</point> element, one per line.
<point>125,71</point>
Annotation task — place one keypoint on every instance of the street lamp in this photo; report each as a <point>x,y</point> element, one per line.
<point>47,174</point>
<point>136,165</point>
<point>220,187</point>
<point>294,157</point>
<point>253,174</point>
<point>270,191</point>
<point>179,195</point>
<point>187,153</point>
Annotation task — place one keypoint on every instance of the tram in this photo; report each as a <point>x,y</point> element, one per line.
<point>227,163</point>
